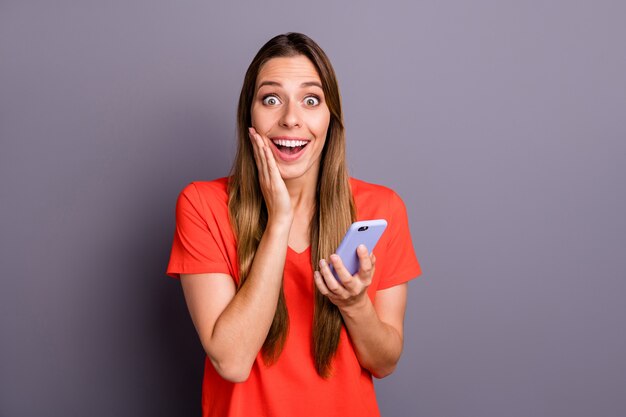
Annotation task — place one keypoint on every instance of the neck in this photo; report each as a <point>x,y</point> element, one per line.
<point>302,191</point>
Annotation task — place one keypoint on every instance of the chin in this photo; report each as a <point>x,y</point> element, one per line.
<point>292,173</point>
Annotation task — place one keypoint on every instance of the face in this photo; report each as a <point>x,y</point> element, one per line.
<point>289,108</point>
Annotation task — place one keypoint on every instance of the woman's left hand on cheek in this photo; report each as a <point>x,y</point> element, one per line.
<point>353,288</point>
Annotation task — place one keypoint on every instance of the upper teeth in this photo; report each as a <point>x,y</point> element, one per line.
<point>289,143</point>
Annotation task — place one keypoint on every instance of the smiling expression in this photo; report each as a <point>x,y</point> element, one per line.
<point>289,108</point>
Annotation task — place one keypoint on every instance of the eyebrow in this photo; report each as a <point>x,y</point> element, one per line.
<point>305,84</point>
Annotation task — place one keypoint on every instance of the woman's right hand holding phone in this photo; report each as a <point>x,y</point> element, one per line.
<point>272,185</point>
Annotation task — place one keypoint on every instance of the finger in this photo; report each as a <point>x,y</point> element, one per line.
<point>320,284</point>
<point>263,141</point>
<point>262,157</point>
<point>347,280</point>
<point>329,279</point>
<point>272,167</point>
<point>255,148</point>
<point>365,262</point>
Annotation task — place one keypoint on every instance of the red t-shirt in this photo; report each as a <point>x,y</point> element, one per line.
<point>204,242</point>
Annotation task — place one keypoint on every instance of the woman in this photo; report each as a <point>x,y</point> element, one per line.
<point>282,336</point>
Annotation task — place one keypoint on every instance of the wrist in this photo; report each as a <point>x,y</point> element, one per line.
<point>359,308</point>
<point>279,224</point>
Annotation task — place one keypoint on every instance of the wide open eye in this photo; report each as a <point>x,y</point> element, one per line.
<point>312,101</point>
<point>270,100</point>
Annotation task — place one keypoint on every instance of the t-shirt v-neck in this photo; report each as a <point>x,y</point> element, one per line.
<point>294,252</point>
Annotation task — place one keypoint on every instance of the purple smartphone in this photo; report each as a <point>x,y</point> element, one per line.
<point>366,232</point>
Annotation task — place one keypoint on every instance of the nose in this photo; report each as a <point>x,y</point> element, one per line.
<point>291,115</point>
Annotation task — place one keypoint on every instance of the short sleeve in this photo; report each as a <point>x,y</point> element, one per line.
<point>398,263</point>
<point>198,245</point>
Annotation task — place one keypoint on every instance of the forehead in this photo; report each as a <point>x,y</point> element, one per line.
<point>297,68</point>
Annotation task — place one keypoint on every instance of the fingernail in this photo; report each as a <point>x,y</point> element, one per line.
<point>322,263</point>
<point>334,257</point>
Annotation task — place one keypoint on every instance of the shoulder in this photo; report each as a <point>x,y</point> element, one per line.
<point>215,190</point>
<point>360,186</point>
<point>206,196</point>
<point>374,199</point>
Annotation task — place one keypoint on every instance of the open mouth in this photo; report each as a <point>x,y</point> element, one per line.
<point>290,146</point>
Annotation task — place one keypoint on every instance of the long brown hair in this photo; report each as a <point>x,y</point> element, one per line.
<point>334,206</point>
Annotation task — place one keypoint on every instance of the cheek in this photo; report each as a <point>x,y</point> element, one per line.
<point>321,123</point>
<point>263,119</point>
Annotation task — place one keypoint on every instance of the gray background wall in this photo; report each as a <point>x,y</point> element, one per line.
<point>500,123</point>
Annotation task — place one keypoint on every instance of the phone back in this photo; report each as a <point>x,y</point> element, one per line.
<point>365,232</point>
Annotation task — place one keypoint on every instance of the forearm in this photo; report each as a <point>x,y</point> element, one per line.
<point>378,345</point>
<point>241,329</point>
